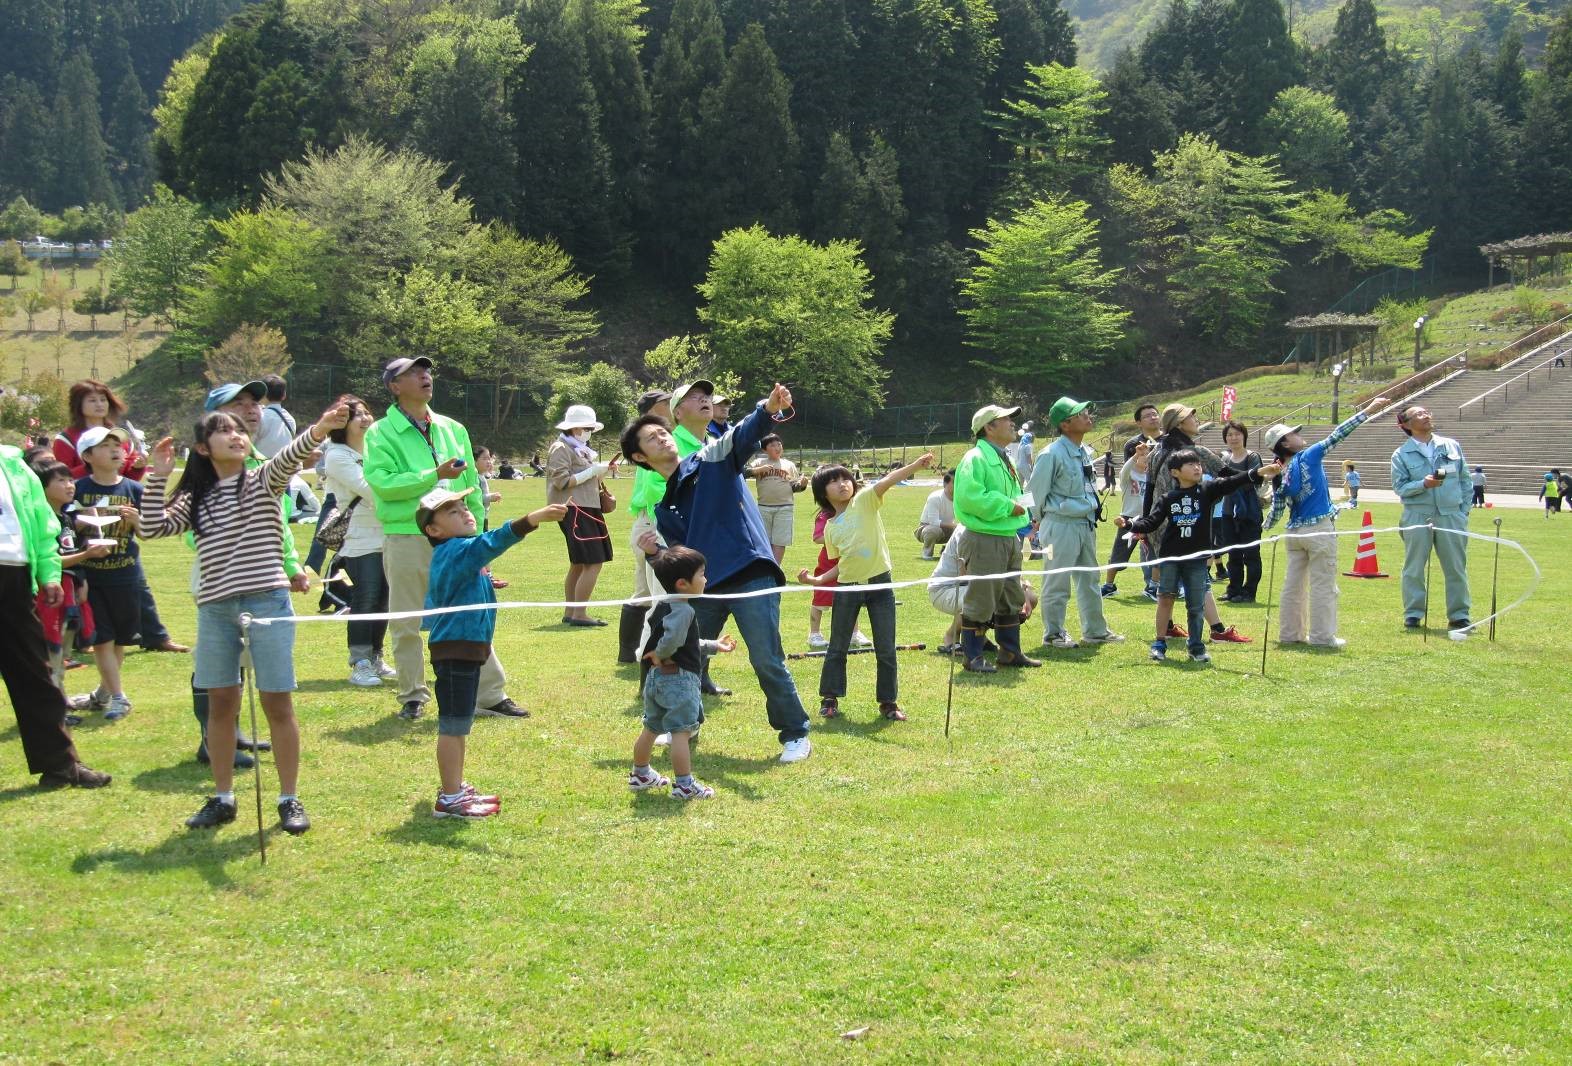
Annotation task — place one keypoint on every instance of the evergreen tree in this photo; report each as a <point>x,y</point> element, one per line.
<point>841,197</point>
<point>1051,127</point>
<point>749,139</point>
<point>814,43</point>
<point>565,180</point>
<point>32,40</point>
<point>1354,64</point>
<point>612,37</point>
<point>1138,122</point>
<point>1263,61</point>
<point>1558,48</point>
<point>692,57</point>
<point>1031,33</point>
<point>1509,89</point>
<point>80,158</point>
<point>26,143</point>
<point>1548,114</point>
<point>1466,160</point>
<point>128,137</point>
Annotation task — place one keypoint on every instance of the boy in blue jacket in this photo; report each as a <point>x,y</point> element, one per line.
<point>460,643</point>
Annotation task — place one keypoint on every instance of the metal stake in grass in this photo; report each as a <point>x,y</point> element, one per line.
<point>1495,568</point>
<point>1271,582</point>
<point>1429,555</point>
<point>251,700</point>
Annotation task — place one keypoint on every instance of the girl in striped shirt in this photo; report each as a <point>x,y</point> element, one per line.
<point>234,514</point>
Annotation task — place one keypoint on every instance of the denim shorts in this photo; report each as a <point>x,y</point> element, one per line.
<point>272,646</point>
<point>456,684</point>
<point>672,703</point>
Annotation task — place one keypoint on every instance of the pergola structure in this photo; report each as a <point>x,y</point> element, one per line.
<point>1331,328</point>
<point>1522,254</point>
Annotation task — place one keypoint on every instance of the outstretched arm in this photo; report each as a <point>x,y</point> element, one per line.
<point>895,477</point>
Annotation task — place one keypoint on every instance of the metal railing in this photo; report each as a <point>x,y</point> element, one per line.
<point>1410,387</point>
<point>1508,365</point>
<point>1527,377</point>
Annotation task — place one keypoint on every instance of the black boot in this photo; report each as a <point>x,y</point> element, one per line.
<point>629,628</point>
<point>1010,653</point>
<point>972,644</point>
<point>199,710</point>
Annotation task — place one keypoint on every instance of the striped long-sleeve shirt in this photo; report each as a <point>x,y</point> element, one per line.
<point>240,549</point>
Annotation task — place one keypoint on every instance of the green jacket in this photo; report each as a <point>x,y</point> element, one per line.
<point>40,527</point>
<point>400,467</point>
<point>985,492</point>
<point>649,488</point>
<point>687,443</point>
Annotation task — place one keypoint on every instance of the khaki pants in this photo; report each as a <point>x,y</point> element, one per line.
<point>406,562</point>
<point>992,602</point>
<point>1309,602</point>
<point>642,577</point>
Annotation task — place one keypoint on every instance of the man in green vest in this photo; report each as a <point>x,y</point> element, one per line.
<point>410,451</point>
<point>991,504</point>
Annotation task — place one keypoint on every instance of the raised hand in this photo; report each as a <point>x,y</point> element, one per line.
<point>780,399</point>
<point>164,457</point>
<point>924,461</point>
<point>333,418</point>
<point>554,512</point>
<point>1270,470</point>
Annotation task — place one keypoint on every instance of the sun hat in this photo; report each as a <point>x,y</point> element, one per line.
<point>1173,414</point>
<point>680,393</point>
<point>579,416</point>
<point>226,393</point>
<point>401,365</point>
<point>1276,433</point>
<point>987,414</point>
<point>434,500</point>
<point>1064,408</point>
<point>96,435</point>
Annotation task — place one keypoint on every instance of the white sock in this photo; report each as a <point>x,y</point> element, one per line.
<point>226,797</point>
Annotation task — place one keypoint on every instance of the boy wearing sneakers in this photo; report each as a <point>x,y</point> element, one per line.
<point>460,643</point>
<point>671,691</point>
<point>114,581</point>
<point>1187,510</point>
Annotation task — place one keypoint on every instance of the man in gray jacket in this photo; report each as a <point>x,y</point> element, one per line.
<point>1431,477</point>
<point>1064,493</point>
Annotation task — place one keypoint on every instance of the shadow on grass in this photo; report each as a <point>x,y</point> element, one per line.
<point>186,777</point>
<point>726,773</point>
<point>207,854</point>
<point>20,792</point>
<point>424,830</point>
<point>863,727</point>
<point>387,728</point>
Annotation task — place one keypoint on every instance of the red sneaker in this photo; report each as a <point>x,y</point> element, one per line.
<point>463,807</point>
<point>1176,632</point>
<point>1230,636</point>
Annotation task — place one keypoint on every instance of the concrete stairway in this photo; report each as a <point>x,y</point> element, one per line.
<point>1516,440</point>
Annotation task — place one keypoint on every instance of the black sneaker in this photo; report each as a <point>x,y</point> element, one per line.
<point>251,744</point>
<point>1411,623</point>
<point>410,711</point>
<point>1459,623</point>
<point>215,812</point>
<point>292,816</point>
<point>710,688</point>
<point>242,760</point>
<point>506,709</point>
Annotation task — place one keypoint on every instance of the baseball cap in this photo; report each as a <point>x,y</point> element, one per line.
<point>1175,413</point>
<point>399,366</point>
<point>431,501</point>
<point>720,398</point>
<point>987,414</point>
<point>226,393</point>
<point>680,393</point>
<point>1063,408</point>
<point>648,401</point>
<point>92,438</point>
<point>1276,433</point>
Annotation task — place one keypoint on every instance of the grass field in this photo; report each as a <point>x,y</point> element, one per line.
<point>1359,858</point>
<point>79,350</point>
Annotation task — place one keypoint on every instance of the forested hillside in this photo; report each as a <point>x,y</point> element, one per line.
<point>919,200</point>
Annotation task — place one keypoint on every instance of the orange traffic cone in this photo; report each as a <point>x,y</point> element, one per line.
<point>1365,564</point>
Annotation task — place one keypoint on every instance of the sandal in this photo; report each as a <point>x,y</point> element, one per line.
<point>892,712</point>
<point>829,707</point>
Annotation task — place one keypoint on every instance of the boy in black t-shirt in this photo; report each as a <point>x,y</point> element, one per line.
<point>671,691</point>
<point>1187,509</point>
<point>114,584</point>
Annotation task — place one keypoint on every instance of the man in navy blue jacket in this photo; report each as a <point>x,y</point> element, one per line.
<point>708,507</point>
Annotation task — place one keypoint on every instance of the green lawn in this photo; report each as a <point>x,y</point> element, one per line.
<point>1361,858</point>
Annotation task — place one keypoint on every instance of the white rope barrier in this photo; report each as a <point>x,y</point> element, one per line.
<point>515,605</point>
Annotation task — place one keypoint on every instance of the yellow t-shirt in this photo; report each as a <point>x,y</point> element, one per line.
<point>856,538</point>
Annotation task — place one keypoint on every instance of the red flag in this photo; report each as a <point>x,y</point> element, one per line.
<point>1230,396</point>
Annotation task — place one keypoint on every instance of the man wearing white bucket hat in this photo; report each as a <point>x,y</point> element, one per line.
<point>575,478</point>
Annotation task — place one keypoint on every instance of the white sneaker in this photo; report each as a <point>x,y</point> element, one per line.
<point>860,639</point>
<point>818,640</point>
<point>1107,638</point>
<point>663,741</point>
<point>83,702</point>
<point>797,750</point>
<point>1336,642</point>
<point>365,675</point>
<point>384,671</point>
<point>119,707</point>
<point>1060,640</point>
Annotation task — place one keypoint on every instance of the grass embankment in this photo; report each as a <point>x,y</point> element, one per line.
<point>72,349</point>
<point>1361,857</point>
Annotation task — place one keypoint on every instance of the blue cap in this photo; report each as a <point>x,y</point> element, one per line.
<point>226,393</point>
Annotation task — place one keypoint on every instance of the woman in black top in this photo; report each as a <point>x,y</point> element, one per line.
<point>1241,522</point>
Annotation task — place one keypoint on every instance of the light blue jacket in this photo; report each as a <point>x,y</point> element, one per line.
<point>1410,466</point>
<point>1059,485</point>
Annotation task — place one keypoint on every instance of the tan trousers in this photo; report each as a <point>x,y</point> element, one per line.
<point>1309,602</point>
<point>406,561</point>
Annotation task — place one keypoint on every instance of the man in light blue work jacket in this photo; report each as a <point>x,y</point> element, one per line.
<point>1430,476</point>
<point>1064,493</point>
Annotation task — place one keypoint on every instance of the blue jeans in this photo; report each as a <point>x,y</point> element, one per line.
<point>317,554</point>
<point>456,686</point>
<point>759,625</point>
<point>843,622</point>
<point>154,634</point>
<point>1192,575</point>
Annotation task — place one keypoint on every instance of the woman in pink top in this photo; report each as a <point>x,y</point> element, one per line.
<point>95,404</point>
